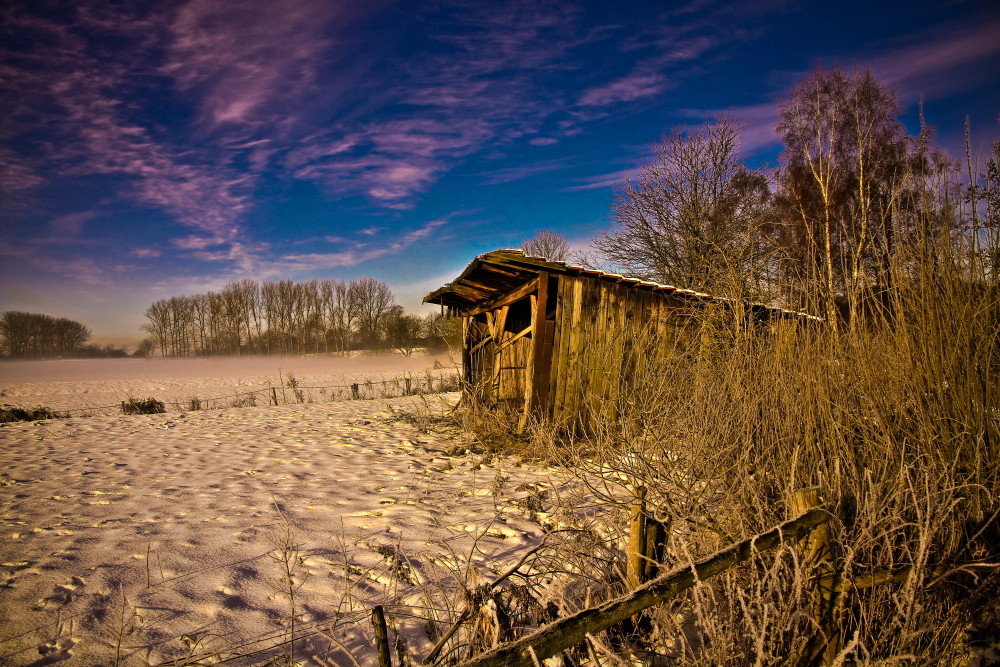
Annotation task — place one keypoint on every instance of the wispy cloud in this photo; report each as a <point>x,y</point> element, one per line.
<point>626,89</point>
<point>510,174</point>
<point>197,242</point>
<point>76,91</point>
<point>71,224</point>
<point>943,61</point>
<point>253,63</point>
<point>757,122</point>
<point>16,175</point>
<point>543,141</point>
<point>599,182</point>
<point>354,253</point>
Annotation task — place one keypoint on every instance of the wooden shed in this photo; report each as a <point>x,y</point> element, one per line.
<point>550,338</point>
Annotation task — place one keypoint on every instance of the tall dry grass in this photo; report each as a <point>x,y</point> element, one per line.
<point>895,419</point>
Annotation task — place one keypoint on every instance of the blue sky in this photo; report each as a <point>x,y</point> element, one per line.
<point>151,149</point>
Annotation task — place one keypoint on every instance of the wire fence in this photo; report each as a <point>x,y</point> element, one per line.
<point>284,393</point>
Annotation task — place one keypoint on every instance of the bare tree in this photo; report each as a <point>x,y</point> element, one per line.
<point>553,247</point>
<point>158,325</point>
<point>371,299</point>
<point>695,216</point>
<point>403,330</point>
<point>28,335</point>
<point>841,175</point>
<point>274,317</point>
<point>333,295</point>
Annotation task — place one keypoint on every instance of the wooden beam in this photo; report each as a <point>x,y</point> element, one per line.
<point>480,344</point>
<point>518,335</point>
<point>529,383</point>
<point>549,640</point>
<point>499,321</point>
<point>521,292</point>
<point>542,347</point>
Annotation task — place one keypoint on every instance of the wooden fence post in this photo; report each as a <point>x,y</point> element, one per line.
<point>563,633</point>
<point>636,564</point>
<point>817,559</point>
<point>354,391</point>
<point>274,396</point>
<point>657,534</point>
<point>647,539</point>
<point>381,637</point>
<point>408,390</point>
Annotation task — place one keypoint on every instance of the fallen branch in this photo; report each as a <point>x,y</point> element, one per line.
<point>467,612</point>
<point>559,635</point>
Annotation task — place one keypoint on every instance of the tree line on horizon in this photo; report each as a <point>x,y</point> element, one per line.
<point>38,336</point>
<point>277,317</point>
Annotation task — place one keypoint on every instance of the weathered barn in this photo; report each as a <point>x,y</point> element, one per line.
<point>551,338</point>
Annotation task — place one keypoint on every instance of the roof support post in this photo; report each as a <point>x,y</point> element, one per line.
<point>536,376</point>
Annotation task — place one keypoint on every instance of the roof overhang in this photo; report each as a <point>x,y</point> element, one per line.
<point>492,275</point>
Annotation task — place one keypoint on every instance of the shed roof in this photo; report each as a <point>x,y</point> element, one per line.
<point>494,274</point>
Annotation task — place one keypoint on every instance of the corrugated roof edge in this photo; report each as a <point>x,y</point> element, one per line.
<point>606,275</point>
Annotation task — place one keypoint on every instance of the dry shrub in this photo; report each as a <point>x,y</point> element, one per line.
<point>142,406</point>
<point>11,413</point>
<point>894,420</point>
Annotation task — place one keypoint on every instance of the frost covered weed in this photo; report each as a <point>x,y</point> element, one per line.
<point>894,421</point>
<point>142,406</point>
<point>10,413</point>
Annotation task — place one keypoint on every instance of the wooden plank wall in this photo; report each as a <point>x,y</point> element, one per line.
<point>496,370</point>
<point>600,327</point>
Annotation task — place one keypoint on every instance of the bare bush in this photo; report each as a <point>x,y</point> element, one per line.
<point>142,406</point>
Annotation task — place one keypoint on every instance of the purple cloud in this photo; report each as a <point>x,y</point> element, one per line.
<point>941,62</point>
<point>510,174</point>
<point>357,253</point>
<point>16,175</point>
<point>76,90</point>
<point>71,224</point>
<point>626,89</point>
<point>599,182</point>
<point>245,62</point>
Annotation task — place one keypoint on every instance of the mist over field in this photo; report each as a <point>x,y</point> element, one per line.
<point>77,384</point>
<point>67,370</point>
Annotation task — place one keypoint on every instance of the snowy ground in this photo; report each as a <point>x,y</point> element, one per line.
<point>148,538</point>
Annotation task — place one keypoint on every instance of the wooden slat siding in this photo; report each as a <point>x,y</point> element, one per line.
<point>527,391</point>
<point>549,344</point>
<point>609,343</point>
<point>560,346</point>
<point>599,347</point>
<point>499,322</point>
<point>574,314</point>
<point>574,344</point>
<point>585,366</point>
<point>477,331</point>
<point>544,367</point>
<point>513,373</point>
<point>620,334</point>
<point>539,376</point>
<point>603,338</point>
<point>634,338</point>
<point>466,355</point>
<point>616,326</point>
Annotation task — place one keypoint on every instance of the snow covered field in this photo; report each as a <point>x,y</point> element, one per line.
<point>142,539</point>
<point>98,386</point>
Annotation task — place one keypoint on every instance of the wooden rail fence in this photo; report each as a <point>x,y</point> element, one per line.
<point>566,632</point>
